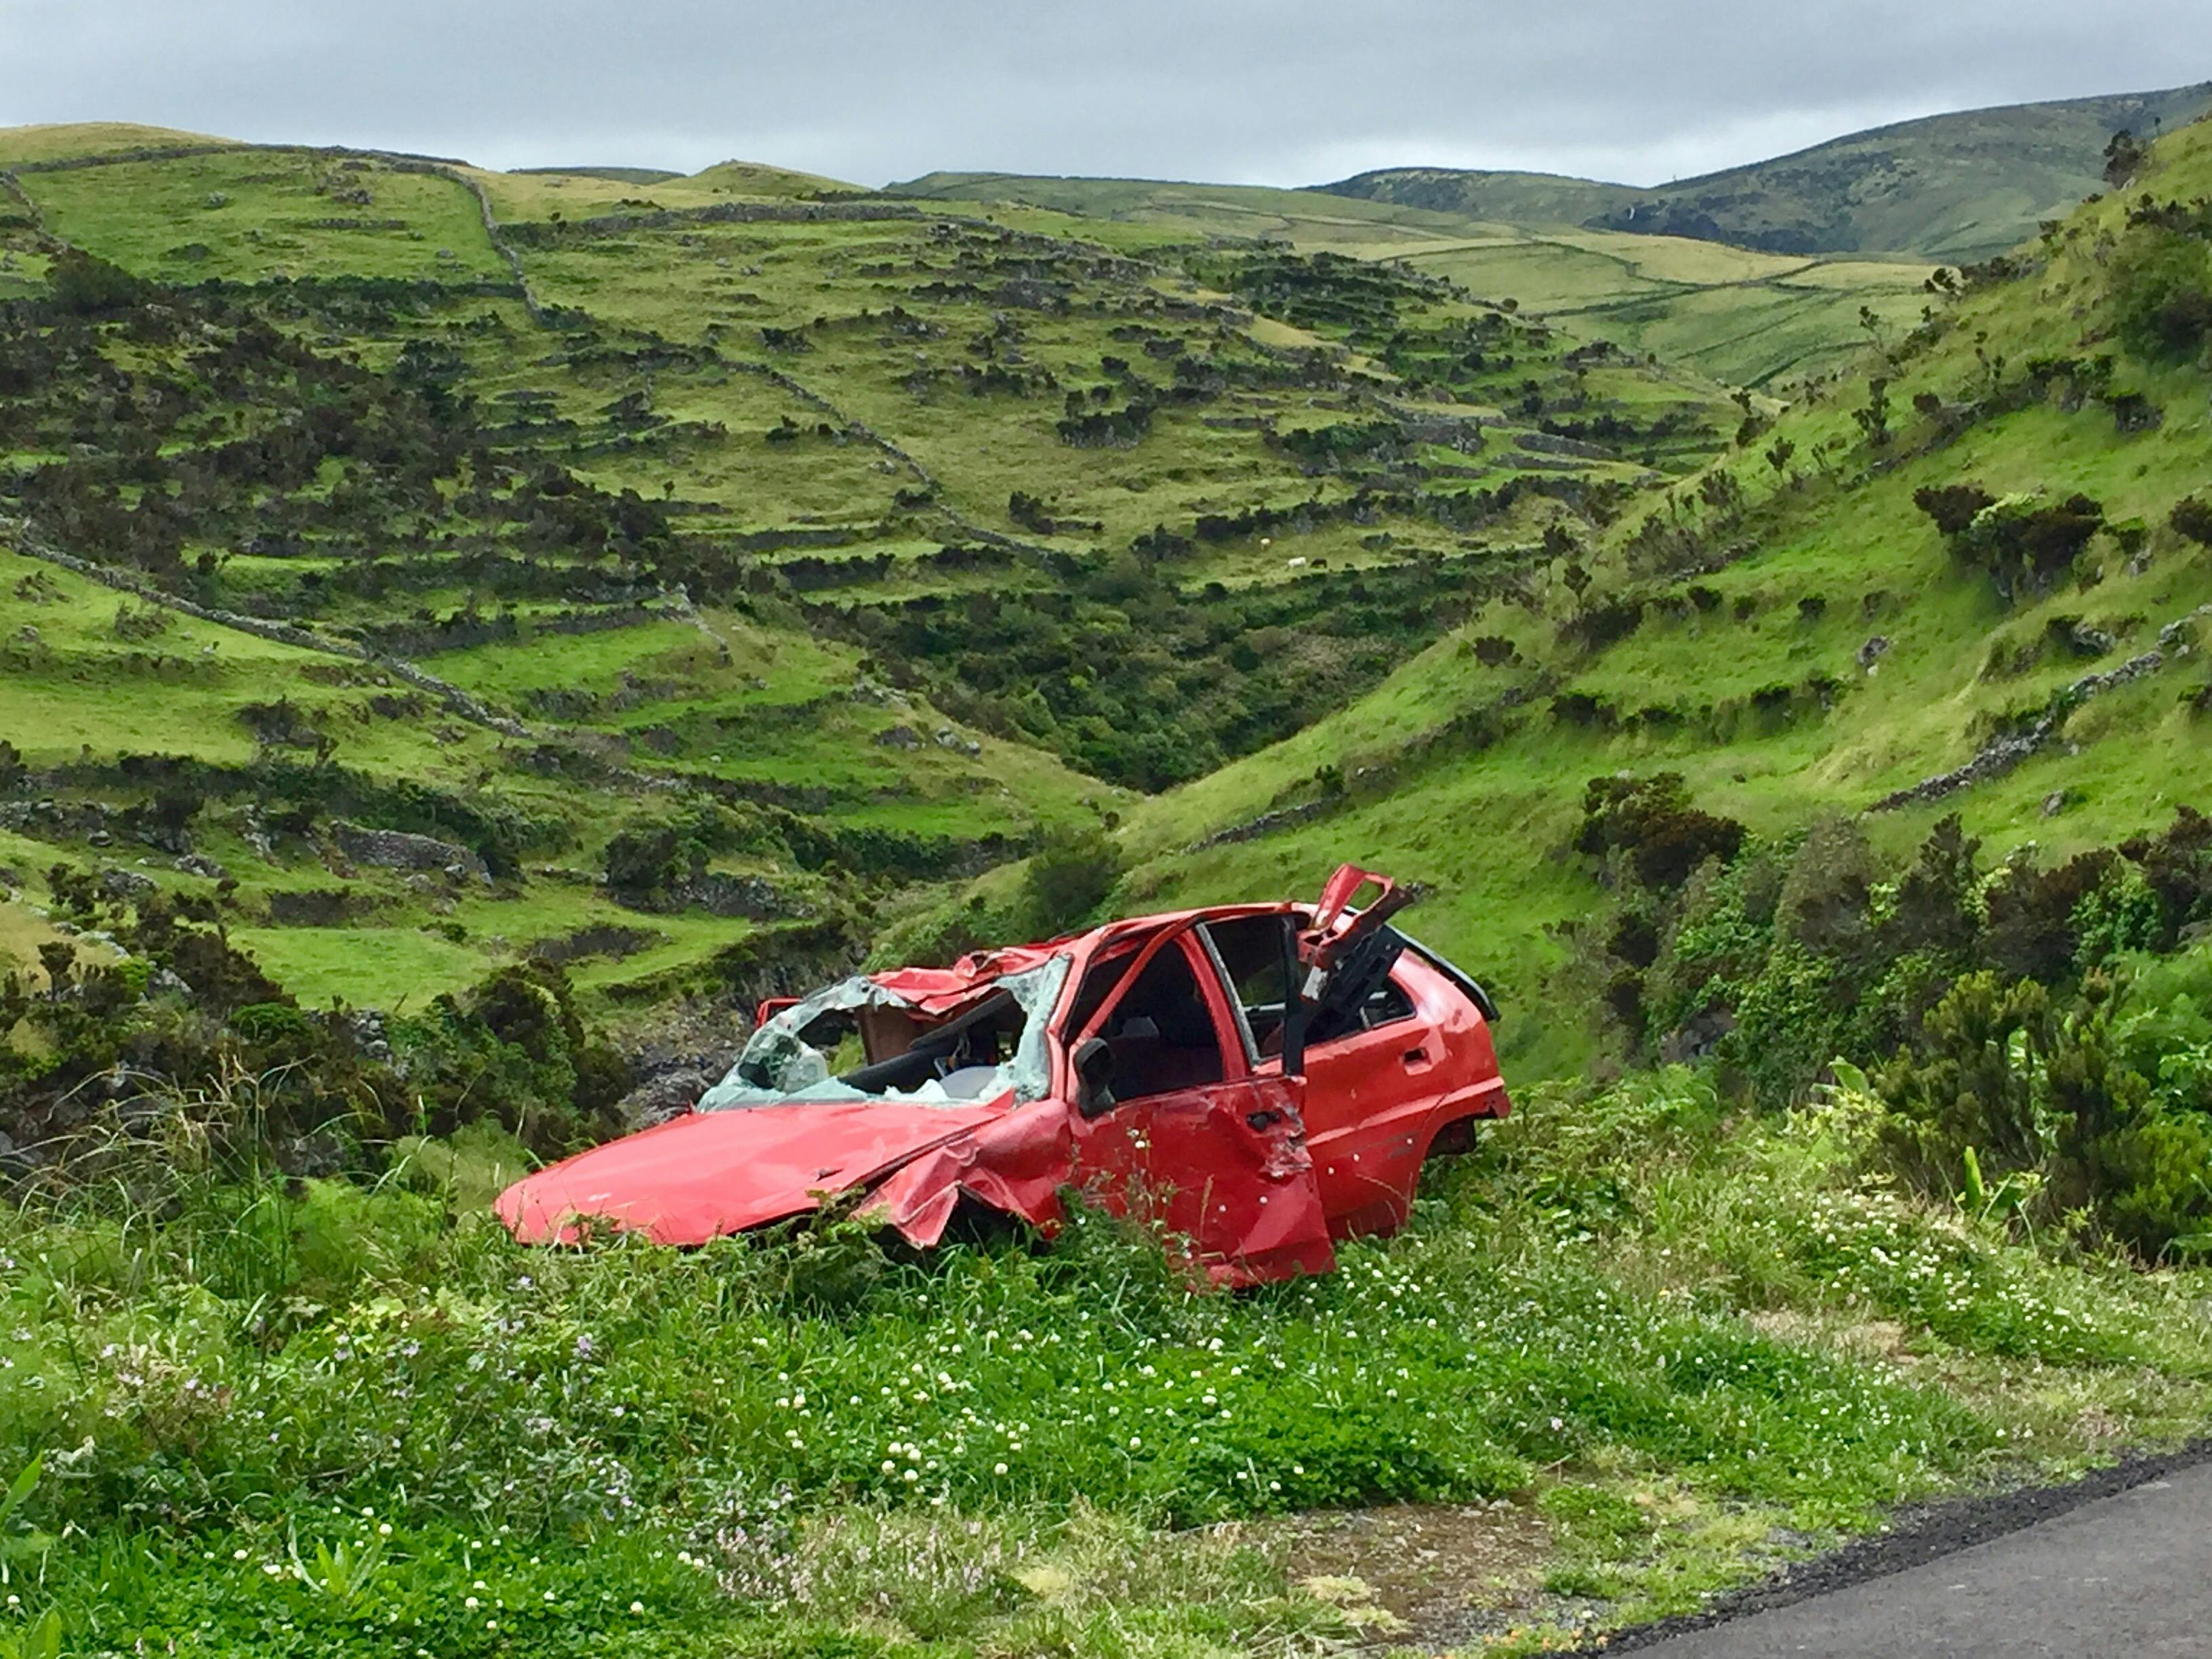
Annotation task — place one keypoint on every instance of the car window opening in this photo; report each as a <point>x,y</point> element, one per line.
<point>1161,1034</point>
<point>1251,952</point>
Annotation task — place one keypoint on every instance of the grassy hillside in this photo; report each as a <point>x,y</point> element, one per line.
<point>411,677</point>
<point>67,140</point>
<point>1956,187</point>
<point>1743,318</point>
<point>1792,634</point>
<point>814,549</point>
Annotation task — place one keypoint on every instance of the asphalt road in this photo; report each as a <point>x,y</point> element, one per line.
<point>2130,1574</point>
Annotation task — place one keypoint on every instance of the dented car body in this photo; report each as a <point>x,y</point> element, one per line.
<point>1260,1080</point>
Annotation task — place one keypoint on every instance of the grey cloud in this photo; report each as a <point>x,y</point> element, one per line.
<point>1290,92</point>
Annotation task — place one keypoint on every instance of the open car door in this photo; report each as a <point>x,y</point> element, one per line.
<point>1347,955</point>
<point>1178,1121</point>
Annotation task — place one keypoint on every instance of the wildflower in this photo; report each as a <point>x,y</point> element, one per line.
<point>637,1607</point>
<point>472,1604</point>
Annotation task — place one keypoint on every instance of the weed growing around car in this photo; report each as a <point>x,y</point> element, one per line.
<point>335,1421</point>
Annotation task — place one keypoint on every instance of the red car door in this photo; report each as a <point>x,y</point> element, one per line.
<point>1379,1073</point>
<point>1373,1093</point>
<point>1188,1131</point>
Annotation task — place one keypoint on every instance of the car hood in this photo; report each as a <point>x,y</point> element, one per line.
<point>707,1174</point>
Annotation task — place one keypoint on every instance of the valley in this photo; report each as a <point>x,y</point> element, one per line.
<point>467,637</point>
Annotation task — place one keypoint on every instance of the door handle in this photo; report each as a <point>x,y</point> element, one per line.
<point>1263,1119</point>
<point>1416,1056</point>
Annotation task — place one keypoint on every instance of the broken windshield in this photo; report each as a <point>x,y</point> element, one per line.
<point>859,1041</point>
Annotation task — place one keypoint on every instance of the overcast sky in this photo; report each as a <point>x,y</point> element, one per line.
<point>1260,91</point>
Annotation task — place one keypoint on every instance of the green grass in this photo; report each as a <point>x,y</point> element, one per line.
<point>1655,1335</point>
<point>251,215</point>
<point>63,140</point>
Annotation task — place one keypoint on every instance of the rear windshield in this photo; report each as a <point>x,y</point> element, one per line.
<point>855,1040</point>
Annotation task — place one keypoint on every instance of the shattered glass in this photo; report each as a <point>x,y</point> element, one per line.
<point>778,1065</point>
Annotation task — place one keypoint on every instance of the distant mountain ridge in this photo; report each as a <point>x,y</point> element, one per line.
<point>1953,187</point>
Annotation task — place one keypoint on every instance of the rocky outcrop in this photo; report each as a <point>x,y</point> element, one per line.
<point>2000,754</point>
<point>1267,823</point>
<point>395,850</point>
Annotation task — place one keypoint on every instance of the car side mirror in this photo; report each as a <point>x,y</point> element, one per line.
<point>1094,1078</point>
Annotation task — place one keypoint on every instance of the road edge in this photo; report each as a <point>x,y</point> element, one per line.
<point>1914,1535</point>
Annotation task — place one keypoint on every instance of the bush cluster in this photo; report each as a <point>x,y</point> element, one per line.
<point>186,1035</point>
<point>2004,1011</point>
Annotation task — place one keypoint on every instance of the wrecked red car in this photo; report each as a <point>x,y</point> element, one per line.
<point>1259,1080</point>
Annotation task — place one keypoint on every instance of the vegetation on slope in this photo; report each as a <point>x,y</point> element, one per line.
<point>777,523</point>
<point>1741,317</point>
<point>1663,1344</point>
<point>1796,636</point>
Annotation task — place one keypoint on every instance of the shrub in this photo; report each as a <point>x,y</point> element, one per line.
<point>2026,543</point>
<point>1939,905</point>
<point>1972,1087</point>
<point>87,285</point>
<point>1826,902</point>
<point>1953,507</point>
<point>1069,877</point>
<point>2178,867</point>
<point>2162,294</point>
<point>2031,932</point>
<point>2192,517</point>
<point>2006,1081</point>
<point>1651,822</point>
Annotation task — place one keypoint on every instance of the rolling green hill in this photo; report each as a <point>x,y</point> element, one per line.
<point>1955,187</point>
<point>696,562</point>
<point>1792,634</point>
<point>1744,318</point>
